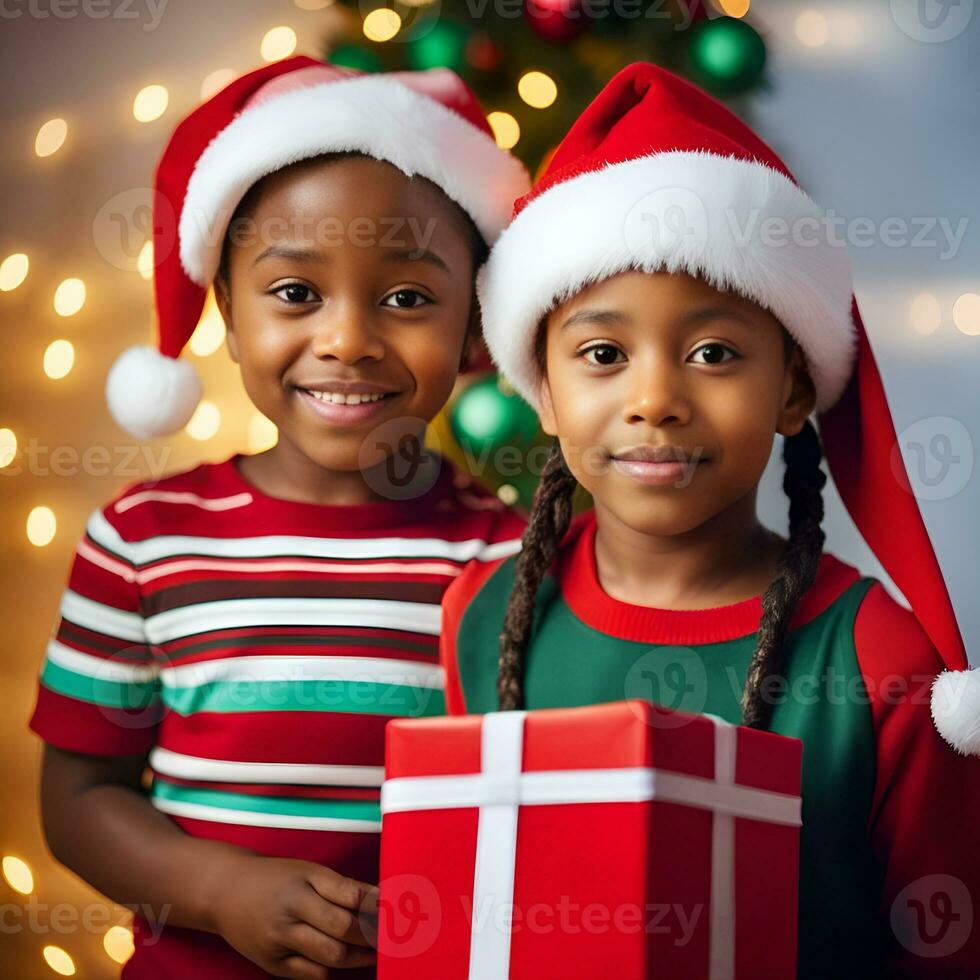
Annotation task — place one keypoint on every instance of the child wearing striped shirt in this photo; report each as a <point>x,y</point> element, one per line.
<point>248,627</point>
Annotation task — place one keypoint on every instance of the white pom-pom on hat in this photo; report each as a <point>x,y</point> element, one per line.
<point>150,394</point>
<point>955,707</point>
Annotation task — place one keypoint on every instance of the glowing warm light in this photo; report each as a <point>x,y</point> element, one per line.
<point>144,262</point>
<point>733,8</point>
<point>313,4</point>
<point>118,943</point>
<point>278,43</point>
<point>42,526</point>
<point>59,961</point>
<point>262,434</point>
<point>59,359</point>
<point>205,422</point>
<point>506,130</point>
<point>811,28</point>
<point>537,89</point>
<point>508,494</point>
<point>216,81</point>
<point>69,297</point>
<point>50,137</point>
<point>966,314</point>
<point>209,334</point>
<point>925,313</point>
<point>16,871</point>
<point>150,103</point>
<point>8,450</point>
<point>382,24</point>
<point>13,271</point>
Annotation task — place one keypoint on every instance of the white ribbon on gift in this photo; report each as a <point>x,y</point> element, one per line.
<point>501,788</point>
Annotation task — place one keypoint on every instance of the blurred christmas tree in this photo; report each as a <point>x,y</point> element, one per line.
<point>535,65</point>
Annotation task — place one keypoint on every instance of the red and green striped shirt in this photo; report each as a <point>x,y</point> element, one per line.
<point>890,871</point>
<point>255,647</point>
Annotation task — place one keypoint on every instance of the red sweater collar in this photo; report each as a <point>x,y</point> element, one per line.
<point>381,515</point>
<point>580,586</point>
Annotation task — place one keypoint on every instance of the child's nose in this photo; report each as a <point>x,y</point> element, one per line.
<point>655,393</point>
<point>347,332</point>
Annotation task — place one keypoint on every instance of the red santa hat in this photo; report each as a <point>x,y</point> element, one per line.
<point>657,175</point>
<point>426,123</point>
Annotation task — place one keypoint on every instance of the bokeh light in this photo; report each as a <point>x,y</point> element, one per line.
<point>150,103</point>
<point>51,137</point>
<point>13,271</point>
<point>506,130</point>
<point>42,526</point>
<point>59,359</point>
<point>277,44</point>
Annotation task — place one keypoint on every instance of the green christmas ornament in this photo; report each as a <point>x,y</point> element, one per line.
<point>727,56</point>
<point>484,418</point>
<point>354,56</point>
<point>438,44</point>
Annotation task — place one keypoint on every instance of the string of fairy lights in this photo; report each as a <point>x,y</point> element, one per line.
<point>813,29</point>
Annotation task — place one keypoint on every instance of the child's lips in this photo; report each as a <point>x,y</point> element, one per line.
<point>342,414</point>
<point>656,474</point>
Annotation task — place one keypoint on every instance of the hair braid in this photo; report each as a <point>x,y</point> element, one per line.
<point>797,569</point>
<point>551,514</point>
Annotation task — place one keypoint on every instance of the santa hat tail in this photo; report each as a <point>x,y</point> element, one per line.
<point>865,461</point>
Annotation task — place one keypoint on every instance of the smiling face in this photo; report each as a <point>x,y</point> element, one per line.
<point>665,367</point>
<point>346,281</point>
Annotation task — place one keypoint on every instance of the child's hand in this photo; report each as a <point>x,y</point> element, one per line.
<point>293,918</point>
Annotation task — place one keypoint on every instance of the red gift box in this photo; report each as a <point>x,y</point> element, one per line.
<point>618,840</point>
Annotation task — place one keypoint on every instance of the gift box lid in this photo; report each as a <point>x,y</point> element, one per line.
<point>619,735</point>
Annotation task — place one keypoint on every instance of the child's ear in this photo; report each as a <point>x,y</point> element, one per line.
<point>799,395</point>
<point>547,412</point>
<point>222,296</point>
<point>473,338</point>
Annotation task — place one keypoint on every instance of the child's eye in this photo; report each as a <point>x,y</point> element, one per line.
<point>296,293</point>
<point>405,299</point>
<point>714,353</point>
<point>605,354</point>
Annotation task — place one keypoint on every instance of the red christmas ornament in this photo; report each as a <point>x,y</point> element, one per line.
<point>556,21</point>
<point>483,54</point>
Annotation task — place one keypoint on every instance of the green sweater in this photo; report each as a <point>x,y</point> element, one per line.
<point>589,648</point>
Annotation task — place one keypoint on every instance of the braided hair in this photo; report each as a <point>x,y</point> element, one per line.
<point>551,515</point>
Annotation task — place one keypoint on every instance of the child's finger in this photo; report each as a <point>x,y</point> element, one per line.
<point>348,892</point>
<point>331,919</point>
<point>314,945</point>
